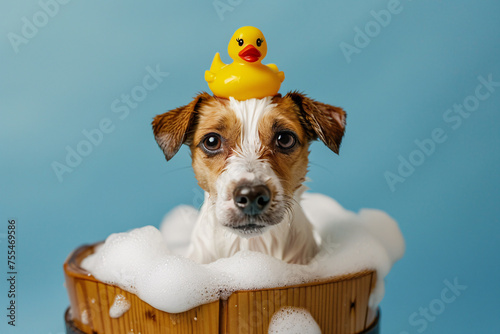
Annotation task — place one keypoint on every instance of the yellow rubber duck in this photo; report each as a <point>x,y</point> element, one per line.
<point>246,77</point>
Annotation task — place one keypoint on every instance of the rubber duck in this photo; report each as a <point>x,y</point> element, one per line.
<point>246,77</point>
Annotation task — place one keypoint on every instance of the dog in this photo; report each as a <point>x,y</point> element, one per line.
<point>251,159</point>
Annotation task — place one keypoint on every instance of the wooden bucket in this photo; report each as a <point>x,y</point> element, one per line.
<point>339,305</point>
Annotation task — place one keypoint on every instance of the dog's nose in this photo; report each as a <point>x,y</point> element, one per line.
<point>252,200</point>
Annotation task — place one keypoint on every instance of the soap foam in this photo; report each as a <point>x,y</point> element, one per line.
<point>140,262</point>
<point>293,320</point>
<point>85,317</point>
<point>119,307</point>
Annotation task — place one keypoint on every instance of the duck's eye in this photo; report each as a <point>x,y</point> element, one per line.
<point>240,41</point>
<point>212,143</point>
<point>259,41</point>
<point>286,140</point>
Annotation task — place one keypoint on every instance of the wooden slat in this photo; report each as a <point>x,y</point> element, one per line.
<point>371,314</point>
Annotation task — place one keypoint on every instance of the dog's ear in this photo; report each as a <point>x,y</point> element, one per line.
<point>172,128</point>
<point>321,120</point>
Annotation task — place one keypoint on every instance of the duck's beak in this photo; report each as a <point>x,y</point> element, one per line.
<point>250,53</point>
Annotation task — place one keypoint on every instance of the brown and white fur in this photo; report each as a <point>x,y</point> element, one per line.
<point>258,147</point>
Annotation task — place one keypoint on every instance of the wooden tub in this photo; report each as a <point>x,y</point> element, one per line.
<point>339,305</point>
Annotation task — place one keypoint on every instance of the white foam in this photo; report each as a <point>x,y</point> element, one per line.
<point>85,317</point>
<point>139,261</point>
<point>126,256</point>
<point>119,307</point>
<point>293,320</point>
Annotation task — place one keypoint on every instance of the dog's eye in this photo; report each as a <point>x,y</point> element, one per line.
<point>212,142</point>
<point>285,140</point>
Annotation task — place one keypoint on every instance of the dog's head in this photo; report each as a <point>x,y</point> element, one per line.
<point>250,156</point>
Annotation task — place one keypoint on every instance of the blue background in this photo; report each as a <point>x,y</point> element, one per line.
<point>395,90</point>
